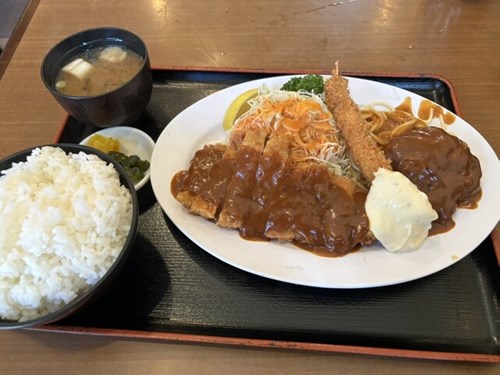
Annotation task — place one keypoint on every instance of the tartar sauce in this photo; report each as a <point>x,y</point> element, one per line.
<point>400,215</point>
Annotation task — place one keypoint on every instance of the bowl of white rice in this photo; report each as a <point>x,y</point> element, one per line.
<point>68,220</point>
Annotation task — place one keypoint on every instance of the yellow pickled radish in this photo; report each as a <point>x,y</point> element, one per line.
<point>105,144</point>
<point>238,107</point>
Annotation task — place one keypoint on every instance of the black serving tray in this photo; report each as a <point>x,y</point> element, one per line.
<point>171,288</point>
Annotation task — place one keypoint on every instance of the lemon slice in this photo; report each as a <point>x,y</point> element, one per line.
<point>238,107</point>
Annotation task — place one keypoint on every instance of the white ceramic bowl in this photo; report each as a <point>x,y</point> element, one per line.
<point>132,142</point>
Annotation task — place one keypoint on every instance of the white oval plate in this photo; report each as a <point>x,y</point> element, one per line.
<point>371,266</point>
<point>132,142</point>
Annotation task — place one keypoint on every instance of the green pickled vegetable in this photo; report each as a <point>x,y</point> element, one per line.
<point>135,174</point>
<point>131,161</point>
<point>134,166</point>
<point>118,156</point>
<point>143,165</point>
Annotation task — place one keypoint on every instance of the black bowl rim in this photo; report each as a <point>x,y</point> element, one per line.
<point>86,296</point>
<point>82,32</point>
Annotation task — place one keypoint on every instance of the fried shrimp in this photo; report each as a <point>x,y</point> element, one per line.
<point>363,148</point>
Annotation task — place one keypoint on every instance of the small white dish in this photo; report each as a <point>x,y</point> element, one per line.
<point>132,142</point>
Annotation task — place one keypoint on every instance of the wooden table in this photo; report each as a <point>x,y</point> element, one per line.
<point>459,40</point>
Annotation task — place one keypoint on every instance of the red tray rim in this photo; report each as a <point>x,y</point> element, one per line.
<point>172,337</point>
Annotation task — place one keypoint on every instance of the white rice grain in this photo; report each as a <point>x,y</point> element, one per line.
<point>64,219</point>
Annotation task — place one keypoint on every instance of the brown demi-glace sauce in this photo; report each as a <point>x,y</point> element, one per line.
<point>438,163</point>
<point>427,110</point>
<point>304,203</point>
<point>265,196</point>
<point>441,166</point>
<point>280,200</point>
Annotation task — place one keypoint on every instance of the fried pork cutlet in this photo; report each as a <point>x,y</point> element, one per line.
<point>363,148</point>
<point>315,212</point>
<point>211,194</point>
<point>239,191</point>
<point>259,189</point>
<point>186,185</point>
<point>272,166</point>
<point>257,185</point>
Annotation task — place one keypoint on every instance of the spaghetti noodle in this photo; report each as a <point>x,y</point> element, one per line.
<point>387,122</point>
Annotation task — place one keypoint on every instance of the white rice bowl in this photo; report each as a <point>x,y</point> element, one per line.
<point>64,219</point>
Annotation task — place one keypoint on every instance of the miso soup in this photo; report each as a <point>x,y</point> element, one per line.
<point>98,70</point>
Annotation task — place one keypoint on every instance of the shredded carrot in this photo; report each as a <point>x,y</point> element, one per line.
<point>306,120</point>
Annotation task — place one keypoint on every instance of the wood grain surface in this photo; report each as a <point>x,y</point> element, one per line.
<point>455,39</point>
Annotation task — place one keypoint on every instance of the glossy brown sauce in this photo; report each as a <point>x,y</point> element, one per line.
<point>427,110</point>
<point>272,198</point>
<point>405,106</point>
<point>268,197</point>
<point>386,125</point>
<point>304,204</point>
<point>195,179</point>
<point>441,166</point>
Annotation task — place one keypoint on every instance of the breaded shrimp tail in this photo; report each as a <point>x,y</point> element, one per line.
<point>363,148</point>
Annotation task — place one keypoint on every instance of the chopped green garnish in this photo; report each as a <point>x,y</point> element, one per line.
<point>312,83</point>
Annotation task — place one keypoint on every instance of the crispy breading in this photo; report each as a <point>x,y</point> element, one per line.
<point>260,188</point>
<point>271,166</point>
<point>239,191</point>
<point>316,210</point>
<point>363,148</point>
<point>189,184</point>
<point>212,193</point>
<point>290,213</point>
